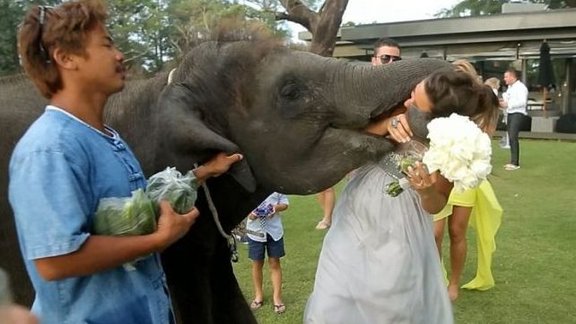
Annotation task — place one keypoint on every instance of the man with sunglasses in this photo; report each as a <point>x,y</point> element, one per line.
<point>386,50</point>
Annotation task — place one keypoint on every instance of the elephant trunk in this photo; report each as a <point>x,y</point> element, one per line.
<point>363,92</point>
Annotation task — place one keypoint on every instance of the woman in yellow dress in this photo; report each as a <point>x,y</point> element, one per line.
<point>479,208</point>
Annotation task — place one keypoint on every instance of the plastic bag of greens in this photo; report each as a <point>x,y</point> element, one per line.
<point>125,216</point>
<point>180,190</point>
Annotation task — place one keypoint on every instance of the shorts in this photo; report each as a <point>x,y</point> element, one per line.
<point>256,249</point>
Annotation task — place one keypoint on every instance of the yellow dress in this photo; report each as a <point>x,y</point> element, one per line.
<point>486,217</point>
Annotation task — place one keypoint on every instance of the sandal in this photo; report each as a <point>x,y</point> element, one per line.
<point>322,225</point>
<point>256,304</point>
<point>279,309</point>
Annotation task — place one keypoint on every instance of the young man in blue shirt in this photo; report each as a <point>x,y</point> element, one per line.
<point>69,160</point>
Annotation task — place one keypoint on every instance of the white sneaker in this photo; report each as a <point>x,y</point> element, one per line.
<point>511,167</point>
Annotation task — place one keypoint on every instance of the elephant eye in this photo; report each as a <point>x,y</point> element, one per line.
<point>291,91</point>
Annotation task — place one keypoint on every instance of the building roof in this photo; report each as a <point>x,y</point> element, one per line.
<point>504,36</point>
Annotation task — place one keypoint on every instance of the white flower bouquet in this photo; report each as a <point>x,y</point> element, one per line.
<point>458,149</point>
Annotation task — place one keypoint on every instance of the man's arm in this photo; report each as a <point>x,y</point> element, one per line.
<point>219,164</point>
<point>99,253</point>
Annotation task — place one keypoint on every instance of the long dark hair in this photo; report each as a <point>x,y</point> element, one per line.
<point>452,91</point>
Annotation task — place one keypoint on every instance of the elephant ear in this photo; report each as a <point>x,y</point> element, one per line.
<point>185,137</point>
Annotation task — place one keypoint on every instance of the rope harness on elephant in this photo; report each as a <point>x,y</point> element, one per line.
<point>229,238</point>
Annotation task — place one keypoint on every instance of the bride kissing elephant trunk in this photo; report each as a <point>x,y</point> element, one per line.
<point>297,118</point>
<point>288,112</point>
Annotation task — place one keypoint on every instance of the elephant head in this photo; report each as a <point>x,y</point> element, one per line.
<point>297,117</point>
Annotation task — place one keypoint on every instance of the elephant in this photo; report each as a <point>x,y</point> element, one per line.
<point>297,118</point>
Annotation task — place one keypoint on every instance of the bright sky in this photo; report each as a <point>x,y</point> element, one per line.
<point>383,11</point>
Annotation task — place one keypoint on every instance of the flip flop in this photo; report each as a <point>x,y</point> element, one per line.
<point>322,225</point>
<point>279,309</point>
<point>256,304</point>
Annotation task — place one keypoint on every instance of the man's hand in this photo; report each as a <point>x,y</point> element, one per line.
<point>173,226</point>
<point>216,166</point>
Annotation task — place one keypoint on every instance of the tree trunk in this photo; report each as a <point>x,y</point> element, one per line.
<point>323,25</point>
<point>325,33</point>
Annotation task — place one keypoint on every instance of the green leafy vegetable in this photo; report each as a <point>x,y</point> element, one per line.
<point>125,216</point>
<point>171,185</point>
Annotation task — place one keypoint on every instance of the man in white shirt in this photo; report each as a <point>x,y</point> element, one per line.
<point>514,101</point>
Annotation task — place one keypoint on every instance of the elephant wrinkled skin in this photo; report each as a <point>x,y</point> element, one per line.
<point>294,115</point>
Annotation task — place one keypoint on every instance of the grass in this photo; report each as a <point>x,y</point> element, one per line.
<point>533,264</point>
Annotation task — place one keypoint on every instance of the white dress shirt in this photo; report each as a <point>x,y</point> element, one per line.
<point>516,98</point>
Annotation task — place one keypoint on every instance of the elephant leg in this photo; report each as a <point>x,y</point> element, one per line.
<point>202,282</point>
<point>230,305</point>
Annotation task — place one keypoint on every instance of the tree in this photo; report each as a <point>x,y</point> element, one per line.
<point>194,21</point>
<point>12,12</point>
<point>140,29</point>
<point>323,25</point>
<point>153,32</point>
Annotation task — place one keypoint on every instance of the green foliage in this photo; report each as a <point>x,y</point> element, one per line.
<point>144,32</point>
<point>11,12</point>
<point>150,33</point>
<point>532,265</point>
<point>473,8</point>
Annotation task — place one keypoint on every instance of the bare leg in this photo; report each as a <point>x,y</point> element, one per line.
<point>439,234</point>
<point>327,199</point>
<point>276,278</point>
<point>457,226</point>
<point>257,266</point>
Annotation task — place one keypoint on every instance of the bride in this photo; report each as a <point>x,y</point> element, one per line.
<point>379,262</point>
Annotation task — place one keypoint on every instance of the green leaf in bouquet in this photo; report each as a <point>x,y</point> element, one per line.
<point>394,189</point>
<point>407,161</point>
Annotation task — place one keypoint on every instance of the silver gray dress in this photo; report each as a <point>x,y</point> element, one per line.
<point>379,262</point>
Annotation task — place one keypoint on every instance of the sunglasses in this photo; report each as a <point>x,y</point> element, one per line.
<point>385,59</point>
<point>41,21</point>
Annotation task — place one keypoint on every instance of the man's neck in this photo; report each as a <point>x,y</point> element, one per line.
<point>88,108</point>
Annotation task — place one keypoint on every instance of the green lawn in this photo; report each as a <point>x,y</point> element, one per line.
<point>533,265</point>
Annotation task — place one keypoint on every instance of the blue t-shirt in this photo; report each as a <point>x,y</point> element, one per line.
<point>59,171</point>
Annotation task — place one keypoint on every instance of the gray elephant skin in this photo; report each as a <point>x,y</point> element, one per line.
<point>296,117</point>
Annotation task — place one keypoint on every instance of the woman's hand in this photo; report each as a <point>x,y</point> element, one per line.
<point>432,188</point>
<point>399,129</point>
<point>396,127</point>
<point>419,177</point>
